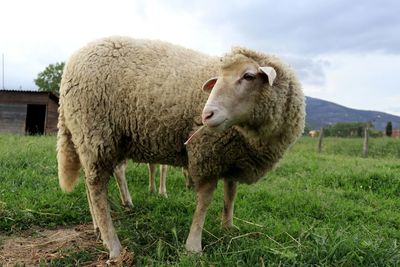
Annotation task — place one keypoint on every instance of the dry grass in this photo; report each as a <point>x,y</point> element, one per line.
<point>49,245</point>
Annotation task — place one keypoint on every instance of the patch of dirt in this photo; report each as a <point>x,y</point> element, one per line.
<point>48,245</point>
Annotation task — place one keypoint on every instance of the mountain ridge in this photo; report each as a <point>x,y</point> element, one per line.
<point>321,113</point>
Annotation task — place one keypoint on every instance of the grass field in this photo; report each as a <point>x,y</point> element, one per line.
<point>329,209</point>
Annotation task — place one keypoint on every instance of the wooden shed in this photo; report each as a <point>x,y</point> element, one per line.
<point>29,112</point>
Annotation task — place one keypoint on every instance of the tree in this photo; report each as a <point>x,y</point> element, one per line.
<point>389,129</point>
<point>347,129</point>
<point>49,80</point>
<point>307,129</point>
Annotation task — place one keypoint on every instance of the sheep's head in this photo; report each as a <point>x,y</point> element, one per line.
<point>235,92</point>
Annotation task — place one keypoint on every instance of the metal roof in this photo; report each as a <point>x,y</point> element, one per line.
<point>51,95</point>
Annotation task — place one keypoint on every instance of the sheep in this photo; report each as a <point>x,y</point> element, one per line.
<point>251,112</point>
<point>119,173</point>
<point>162,189</point>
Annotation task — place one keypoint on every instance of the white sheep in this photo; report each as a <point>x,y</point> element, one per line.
<point>110,87</point>
<point>119,173</point>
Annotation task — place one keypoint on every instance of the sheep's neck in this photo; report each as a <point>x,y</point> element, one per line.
<point>257,138</point>
<point>263,147</point>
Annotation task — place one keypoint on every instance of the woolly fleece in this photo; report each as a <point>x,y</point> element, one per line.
<point>127,98</point>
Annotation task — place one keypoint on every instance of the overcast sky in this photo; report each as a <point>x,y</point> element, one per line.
<point>344,51</point>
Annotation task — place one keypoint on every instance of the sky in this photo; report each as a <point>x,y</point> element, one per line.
<point>347,52</point>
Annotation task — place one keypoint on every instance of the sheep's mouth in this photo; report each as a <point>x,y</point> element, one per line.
<point>218,126</point>
<point>215,127</point>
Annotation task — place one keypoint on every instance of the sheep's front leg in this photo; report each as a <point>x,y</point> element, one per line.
<point>162,190</point>
<point>119,173</point>
<point>152,174</point>
<point>229,199</point>
<point>97,189</point>
<point>204,197</point>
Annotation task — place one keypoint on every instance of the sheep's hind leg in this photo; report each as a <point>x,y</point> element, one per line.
<point>229,199</point>
<point>204,197</point>
<point>162,190</point>
<point>119,173</point>
<point>97,189</point>
<point>152,173</point>
<point>95,227</point>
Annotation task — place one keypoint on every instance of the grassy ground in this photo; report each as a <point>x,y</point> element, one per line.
<point>332,209</point>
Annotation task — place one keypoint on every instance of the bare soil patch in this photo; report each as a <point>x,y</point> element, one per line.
<point>44,246</point>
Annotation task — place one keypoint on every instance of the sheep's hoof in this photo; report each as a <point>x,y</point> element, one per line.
<point>115,249</point>
<point>128,206</point>
<point>152,190</point>
<point>115,254</point>
<point>230,227</point>
<point>193,247</point>
<point>227,224</point>
<point>124,258</point>
<point>163,194</point>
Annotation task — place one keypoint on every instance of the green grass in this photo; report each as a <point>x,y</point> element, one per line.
<point>329,209</point>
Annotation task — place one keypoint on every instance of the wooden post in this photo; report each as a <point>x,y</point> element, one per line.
<point>321,136</point>
<point>365,147</point>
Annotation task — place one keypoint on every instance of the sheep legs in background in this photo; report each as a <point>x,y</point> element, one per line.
<point>162,190</point>
<point>204,196</point>
<point>119,172</point>
<point>97,190</point>
<point>229,199</point>
<point>152,177</point>
<point>188,181</point>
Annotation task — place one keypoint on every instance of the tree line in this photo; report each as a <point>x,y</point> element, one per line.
<point>356,129</point>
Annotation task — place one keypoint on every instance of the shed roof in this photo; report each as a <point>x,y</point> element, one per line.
<point>52,96</point>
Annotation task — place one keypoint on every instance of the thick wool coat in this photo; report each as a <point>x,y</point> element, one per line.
<point>141,99</point>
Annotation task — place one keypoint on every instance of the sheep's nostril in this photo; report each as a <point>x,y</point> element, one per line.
<point>209,115</point>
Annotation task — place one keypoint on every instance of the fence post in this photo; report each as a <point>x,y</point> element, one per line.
<point>321,136</point>
<point>365,147</point>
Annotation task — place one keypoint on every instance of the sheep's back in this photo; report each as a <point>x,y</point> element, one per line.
<point>143,95</point>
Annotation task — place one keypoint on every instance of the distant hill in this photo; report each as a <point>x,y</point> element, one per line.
<point>321,112</point>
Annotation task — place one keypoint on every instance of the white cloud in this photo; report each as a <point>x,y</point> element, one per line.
<point>363,81</point>
<point>346,52</point>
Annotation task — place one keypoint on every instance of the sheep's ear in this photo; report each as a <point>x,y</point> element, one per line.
<point>209,85</point>
<point>270,72</point>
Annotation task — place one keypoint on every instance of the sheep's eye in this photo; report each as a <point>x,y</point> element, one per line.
<point>249,76</point>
